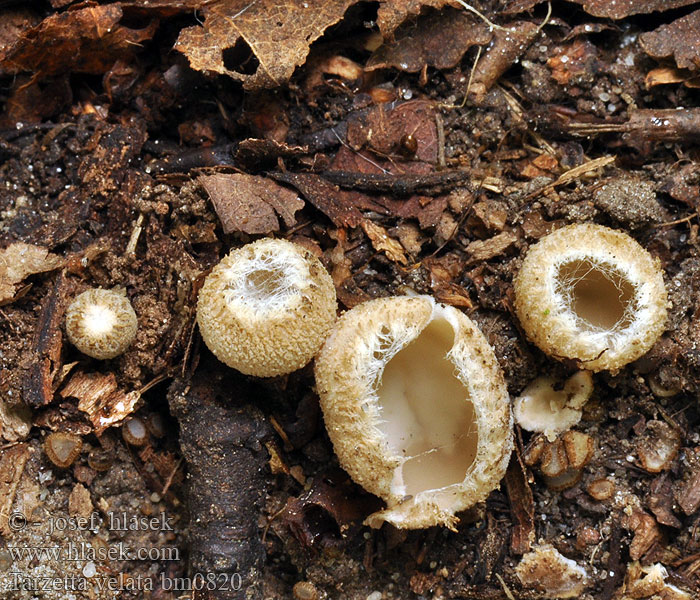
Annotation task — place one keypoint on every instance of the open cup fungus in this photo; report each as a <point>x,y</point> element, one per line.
<point>266,308</point>
<point>416,407</point>
<point>591,294</point>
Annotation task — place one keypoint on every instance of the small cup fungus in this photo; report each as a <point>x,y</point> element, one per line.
<point>592,294</point>
<point>266,308</point>
<point>101,323</point>
<point>416,407</point>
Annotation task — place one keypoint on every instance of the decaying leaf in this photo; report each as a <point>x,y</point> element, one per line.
<point>324,514</point>
<point>392,13</point>
<point>437,40</point>
<point>338,205</point>
<point>680,39</point>
<point>88,40</point>
<point>99,396</point>
<point>19,260</point>
<point>258,43</point>
<point>618,9</point>
<point>249,203</point>
<point>383,243</point>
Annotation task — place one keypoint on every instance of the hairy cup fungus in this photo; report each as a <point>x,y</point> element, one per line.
<point>416,407</point>
<point>592,294</point>
<point>62,448</point>
<point>266,308</point>
<point>101,323</point>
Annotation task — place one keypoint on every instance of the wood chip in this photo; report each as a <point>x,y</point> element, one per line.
<point>99,397</point>
<point>485,249</point>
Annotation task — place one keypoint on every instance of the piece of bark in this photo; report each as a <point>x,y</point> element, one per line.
<point>12,461</point>
<point>221,437</point>
<point>37,389</point>
<point>522,505</point>
<point>689,495</point>
<point>507,45</point>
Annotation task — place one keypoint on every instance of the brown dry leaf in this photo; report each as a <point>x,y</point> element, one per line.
<point>437,40</point>
<point>20,260</point>
<point>338,205</point>
<point>249,203</point>
<point>88,40</point>
<point>667,75</point>
<point>618,9</point>
<point>392,13</point>
<point>383,128</point>
<point>99,397</point>
<point>259,43</point>
<point>680,39</point>
<point>383,243</point>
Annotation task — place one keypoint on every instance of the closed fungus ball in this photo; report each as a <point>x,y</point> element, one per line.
<point>266,308</point>
<point>591,294</point>
<point>416,407</point>
<point>101,323</point>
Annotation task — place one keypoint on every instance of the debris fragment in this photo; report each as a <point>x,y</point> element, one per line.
<point>18,261</point>
<point>383,243</point>
<point>547,571</point>
<point>99,396</point>
<point>12,462</point>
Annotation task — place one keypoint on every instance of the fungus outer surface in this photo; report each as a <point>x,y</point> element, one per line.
<point>101,323</point>
<point>592,294</point>
<point>266,308</point>
<point>416,407</point>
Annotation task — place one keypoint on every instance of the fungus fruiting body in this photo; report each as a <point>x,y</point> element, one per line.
<point>62,448</point>
<point>543,408</point>
<point>416,407</point>
<point>101,323</point>
<point>591,294</point>
<point>266,308</point>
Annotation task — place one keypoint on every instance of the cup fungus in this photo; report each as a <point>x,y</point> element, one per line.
<point>101,323</point>
<point>266,308</point>
<point>416,407</point>
<point>592,294</point>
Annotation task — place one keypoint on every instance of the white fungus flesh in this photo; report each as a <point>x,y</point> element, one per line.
<point>266,308</point>
<point>543,408</point>
<point>101,323</point>
<point>591,294</point>
<point>416,407</point>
